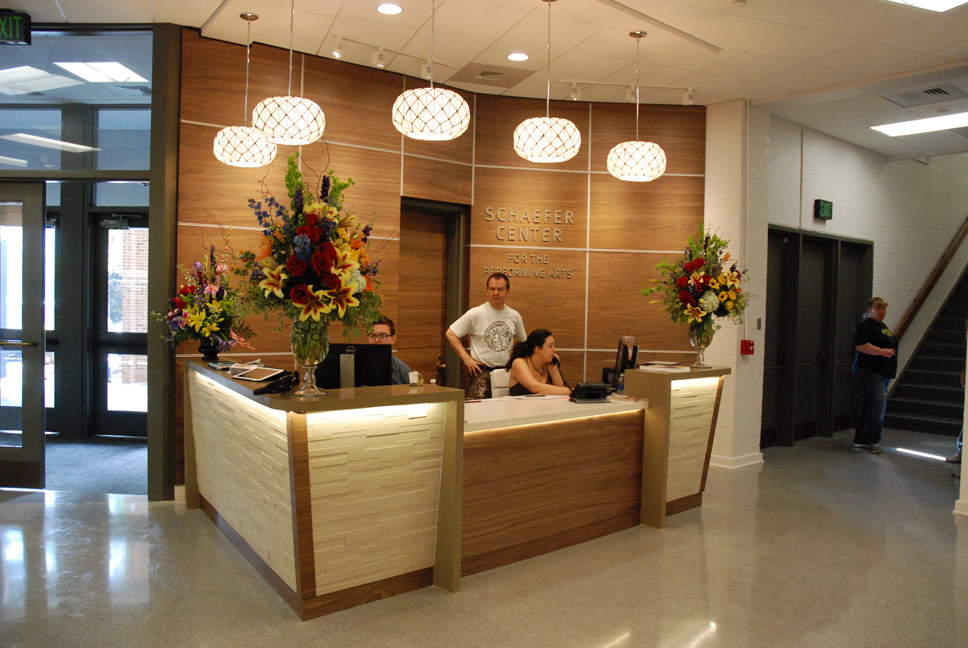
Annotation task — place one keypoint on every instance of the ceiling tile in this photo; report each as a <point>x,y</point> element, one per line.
<point>804,46</point>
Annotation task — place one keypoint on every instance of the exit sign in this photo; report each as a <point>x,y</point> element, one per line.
<point>14,28</point>
<point>823,209</point>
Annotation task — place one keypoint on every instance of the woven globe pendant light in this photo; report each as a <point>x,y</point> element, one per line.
<point>432,114</point>
<point>547,139</point>
<point>287,119</point>
<point>636,161</point>
<point>243,146</point>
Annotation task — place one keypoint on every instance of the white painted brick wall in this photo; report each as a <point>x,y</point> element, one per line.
<point>910,211</point>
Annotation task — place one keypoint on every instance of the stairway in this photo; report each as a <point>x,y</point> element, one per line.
<point>928,396</point>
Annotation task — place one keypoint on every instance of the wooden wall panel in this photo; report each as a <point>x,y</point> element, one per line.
<point>525,192</point>
<point>555,303</point>
<point>501,115</point>
<point>356,101</point>
<point>620,307</point>
<point>679,130</point>
<point>658,215</point>
<point>429,179</point>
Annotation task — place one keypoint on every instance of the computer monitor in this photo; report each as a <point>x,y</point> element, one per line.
<point>624,359</point>
<point>371,364</point>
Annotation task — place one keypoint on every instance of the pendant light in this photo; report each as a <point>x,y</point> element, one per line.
<point>636,161</point>
<point>244,146</point>
<point>289,120</point>
<point>547,139</point>
<point>431,113</point>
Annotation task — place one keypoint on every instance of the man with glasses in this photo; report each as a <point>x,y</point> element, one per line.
<point>383,332</point>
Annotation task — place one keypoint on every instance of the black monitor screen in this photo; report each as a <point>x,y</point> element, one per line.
<point>371,365</point>
<point>625,358</point>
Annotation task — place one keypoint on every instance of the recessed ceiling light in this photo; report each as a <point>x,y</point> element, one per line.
<point>518,56</point>
<point>46,142</point>
<point>389,9</point>
<point>927,125</point>
<point>931,5</point>
<point>104,72</point>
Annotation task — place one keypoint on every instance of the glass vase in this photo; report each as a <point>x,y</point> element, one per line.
<point>310,344</point>
<point>700,337</point>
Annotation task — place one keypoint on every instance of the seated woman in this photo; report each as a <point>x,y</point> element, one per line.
<point>533,366</point>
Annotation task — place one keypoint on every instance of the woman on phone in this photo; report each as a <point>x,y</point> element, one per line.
<point>533,366</point>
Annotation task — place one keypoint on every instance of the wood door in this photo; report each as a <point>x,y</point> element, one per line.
<point>421,314</point>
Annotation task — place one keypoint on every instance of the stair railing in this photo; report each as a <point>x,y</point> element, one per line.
<point>939,269</point>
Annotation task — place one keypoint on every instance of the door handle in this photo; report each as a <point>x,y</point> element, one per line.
<point>16,343</point>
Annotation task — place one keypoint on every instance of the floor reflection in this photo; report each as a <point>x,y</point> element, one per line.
<point>821,546</point>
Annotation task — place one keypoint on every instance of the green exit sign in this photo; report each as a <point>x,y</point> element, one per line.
<point>14,28</point>
<point>823,209</point>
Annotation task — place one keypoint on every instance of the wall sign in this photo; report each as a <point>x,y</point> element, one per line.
<point>823,209</point>
<point>14,28</point>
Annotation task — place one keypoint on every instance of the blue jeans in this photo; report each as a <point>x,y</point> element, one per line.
<point>873,402</point>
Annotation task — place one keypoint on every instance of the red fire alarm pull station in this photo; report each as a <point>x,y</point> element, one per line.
<point>746,347</point>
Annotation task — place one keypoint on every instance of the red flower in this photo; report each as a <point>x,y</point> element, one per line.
<point>299,294</point>
<point>311,220</point>
<point>312,232</point>
<point>178,302</point>
<point>187,290</point>
<point>682,282</point>
<point>698,263</point>
<point>296,266</point>
<point>322,263</point>
<point>685,297</point>
<point>330,281</point>
<point>689,267</point>
<point>706,279</point>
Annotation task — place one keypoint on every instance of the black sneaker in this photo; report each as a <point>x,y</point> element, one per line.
<point>862,446</point>
<point>875,448</point>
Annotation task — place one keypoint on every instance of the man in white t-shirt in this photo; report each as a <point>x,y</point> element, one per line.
<point>492,328</point>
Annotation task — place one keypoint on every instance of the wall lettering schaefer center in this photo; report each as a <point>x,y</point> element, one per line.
<point>530,226</point>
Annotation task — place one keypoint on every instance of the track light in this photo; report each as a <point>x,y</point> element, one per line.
<point>378,59</point>
<point>338,50</point>
<point>425,71</point>
<point>575,92</point>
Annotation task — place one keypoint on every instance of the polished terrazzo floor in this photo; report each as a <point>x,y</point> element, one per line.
<point>821,546</point>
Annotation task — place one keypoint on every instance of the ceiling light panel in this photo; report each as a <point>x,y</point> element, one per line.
<point>929,125</point>
<point>26,79</point>
<point>102,72</point>
<point>931,5</point>
<point>389,9</point>
<point>46,142</point>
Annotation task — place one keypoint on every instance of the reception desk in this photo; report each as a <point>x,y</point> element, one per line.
<point>372,492</point>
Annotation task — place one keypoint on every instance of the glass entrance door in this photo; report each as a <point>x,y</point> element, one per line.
<point>22,335</point>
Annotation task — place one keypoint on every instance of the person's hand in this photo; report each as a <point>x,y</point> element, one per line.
<point>889,353</point>
<point>472,367</point>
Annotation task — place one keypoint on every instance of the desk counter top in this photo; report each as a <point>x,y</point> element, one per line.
<point>527,410</point>
<point>335,399</point>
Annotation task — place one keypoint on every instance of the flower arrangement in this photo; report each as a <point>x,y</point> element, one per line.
<point>705,283</point>
<point>207,308</point>
<point>312,265</point>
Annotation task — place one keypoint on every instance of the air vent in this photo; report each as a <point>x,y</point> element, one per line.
<point>929,94</point>
<point>132,91</point>
<point>494,76</point>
